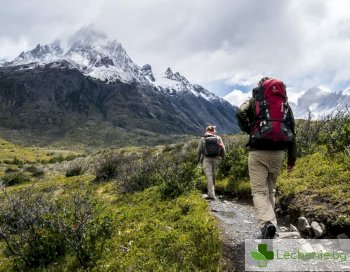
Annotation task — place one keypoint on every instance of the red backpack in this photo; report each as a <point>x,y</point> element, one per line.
<point>272,128</point>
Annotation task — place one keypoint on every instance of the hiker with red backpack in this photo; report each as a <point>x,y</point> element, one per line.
<point>210,150</point>
<point>268,119</point>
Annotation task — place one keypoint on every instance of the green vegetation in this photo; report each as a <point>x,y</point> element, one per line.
<point>158,235</point>
<point>320,182</point>
<point>146,215</point>
<point>15,154</point>
<point>139,208</point>
<point>10,179</point>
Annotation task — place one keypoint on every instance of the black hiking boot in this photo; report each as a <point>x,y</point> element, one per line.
<point>268,231</point>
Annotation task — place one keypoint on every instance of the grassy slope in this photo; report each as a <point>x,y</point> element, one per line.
<point>10,151</point>
<point>319,186</point>
<point>158,234</point>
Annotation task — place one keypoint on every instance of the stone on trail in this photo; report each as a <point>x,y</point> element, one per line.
<point>319,229</point>
<point>303,224</point>
<point>342,236</point>
<point>283,229</point>
<point>292,228</point>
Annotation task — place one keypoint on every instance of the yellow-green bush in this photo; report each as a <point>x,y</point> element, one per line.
<point>158,235</point>
<point>320,184</point>
<point>318,174</point>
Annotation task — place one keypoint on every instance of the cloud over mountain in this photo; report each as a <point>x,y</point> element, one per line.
<point>304,43</point>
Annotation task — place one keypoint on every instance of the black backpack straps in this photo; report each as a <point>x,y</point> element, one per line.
<point>261,96</point>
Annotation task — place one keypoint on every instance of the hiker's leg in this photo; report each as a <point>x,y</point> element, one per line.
<point>271,183</point>
<point>258,172</point>
<point>276,161</point>
<point>208,170</point>
<point>215,168</point>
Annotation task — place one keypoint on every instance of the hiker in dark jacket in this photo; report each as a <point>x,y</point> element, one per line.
<point>210,150</point>
<point>269,137</point>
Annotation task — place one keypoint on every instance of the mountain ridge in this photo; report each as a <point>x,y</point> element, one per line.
<point>56,93</point>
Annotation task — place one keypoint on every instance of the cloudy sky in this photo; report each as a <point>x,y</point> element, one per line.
<point>224,45</point>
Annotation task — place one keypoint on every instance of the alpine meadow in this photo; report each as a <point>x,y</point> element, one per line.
<point>105,164</point>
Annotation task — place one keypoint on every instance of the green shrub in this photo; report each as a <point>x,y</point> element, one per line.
<point>235,164</point>
<point>178,171</point>
<point>59,158</point>
<point>84,227</point>
<point>76,168</point>
<point>26,232</point>
<point>31,169</point>
<point>38,230</point>
<point>39,173</point>
<point>14,178</point>
<point>156,235</point>
<point>10,170</point>
<point>332,131</point>
<point>108,167</point>
<point>338,139</point>
<point>140,174</point>
<point>177,179</point>
<point>15,160</point>
<point>35,171</point>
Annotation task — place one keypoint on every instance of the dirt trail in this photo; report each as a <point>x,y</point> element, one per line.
<point>237,222</point>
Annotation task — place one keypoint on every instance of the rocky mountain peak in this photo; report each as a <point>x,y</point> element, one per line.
<point>41,53</point>
<point>147,72</point>
<point>320,102</point>
<point>177,76</point>
<point>94,55</point>
<point>169,73</point>
<point>2,61</point>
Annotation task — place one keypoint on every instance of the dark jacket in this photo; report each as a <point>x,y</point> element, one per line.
<point>246,117</point>
<point>200,149</point>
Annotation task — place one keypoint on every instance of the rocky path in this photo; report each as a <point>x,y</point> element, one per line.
<point>237,222</point>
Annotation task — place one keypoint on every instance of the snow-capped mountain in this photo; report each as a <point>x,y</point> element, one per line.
<point>93,92</point>
<point>96,56</point>
<point>320,102</point>
<point>175,83</point>
<point>41,54</point>
<point>2,62</point>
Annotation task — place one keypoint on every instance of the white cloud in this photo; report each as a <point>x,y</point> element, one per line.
<point>294,95</point>
<point>305,43</point>
<point>237,97</point>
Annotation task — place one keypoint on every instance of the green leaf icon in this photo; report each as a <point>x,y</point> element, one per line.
<point>257,256</point>
<point>262,262</point>
<point>263,250</point>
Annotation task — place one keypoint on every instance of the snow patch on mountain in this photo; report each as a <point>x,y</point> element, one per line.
<point>346,92</point>
<point>41,53</point>
<point>175,83</point>
<point>93,54</point>
<point>2,62</point>
<point>320,102</point>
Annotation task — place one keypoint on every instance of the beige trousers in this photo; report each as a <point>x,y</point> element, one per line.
<point>210,166</point>
<point>264,167</point>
